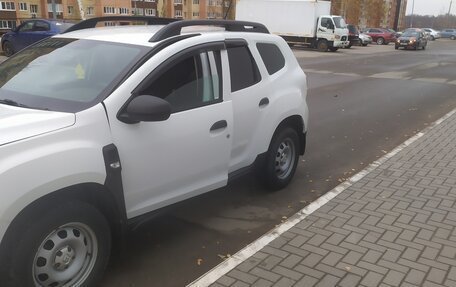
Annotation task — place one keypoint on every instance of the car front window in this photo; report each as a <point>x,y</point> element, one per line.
<point>66,75</point>
<point>340,22</point>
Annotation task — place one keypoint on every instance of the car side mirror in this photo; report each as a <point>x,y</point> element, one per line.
<point>145,108</point>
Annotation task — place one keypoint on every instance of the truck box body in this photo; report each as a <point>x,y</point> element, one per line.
<point>284,17</point>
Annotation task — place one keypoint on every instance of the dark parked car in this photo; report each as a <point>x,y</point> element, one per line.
<point>412,39</point>
<point>353,35</point>
<point>380,36</point>
<point>30,32</point>
<point>448,33</point>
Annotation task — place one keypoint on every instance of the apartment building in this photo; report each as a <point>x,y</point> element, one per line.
<point>13,12</point>
<point>372,13</point>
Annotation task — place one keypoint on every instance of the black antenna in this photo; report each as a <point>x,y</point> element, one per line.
<point>92,23</point>
<point>174,29</point>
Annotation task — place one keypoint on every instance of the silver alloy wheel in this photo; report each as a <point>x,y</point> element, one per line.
<point>66,256</point>
<point>285,158</point>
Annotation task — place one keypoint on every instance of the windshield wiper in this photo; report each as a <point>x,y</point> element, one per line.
<point>16,104</point>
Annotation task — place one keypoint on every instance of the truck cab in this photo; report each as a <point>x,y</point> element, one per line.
<point>332,30</point>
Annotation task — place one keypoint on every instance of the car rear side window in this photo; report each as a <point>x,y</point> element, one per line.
<point>272,57</point>
<point>243,69</point>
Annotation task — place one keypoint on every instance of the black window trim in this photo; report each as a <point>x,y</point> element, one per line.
<point>163,67</point>
<point>263,60</point>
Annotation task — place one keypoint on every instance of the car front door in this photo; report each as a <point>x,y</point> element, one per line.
<point>41,30</point>
<point>23,35</point>
<point>167,161</point>
<point>325,28</point>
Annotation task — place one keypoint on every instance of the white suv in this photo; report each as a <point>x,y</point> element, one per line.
<point>100,126</point>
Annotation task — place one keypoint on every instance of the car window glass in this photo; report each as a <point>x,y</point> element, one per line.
<point>272,57</point>
<point>326,22</point>
<point>243,69</point>
<point>65,74</point>
<point>193,82</point>
<point>41,26</point>
<point>26,27</point>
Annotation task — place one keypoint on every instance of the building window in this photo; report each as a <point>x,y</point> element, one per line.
<point>149,0</point>
<point>8,6</point>
<point>7,24</point>
<point>211,15</point>
<point>178,13</point>
<point>58,8</point>
<point>110,24</point>
<point>196,14</point>
<point>212,2</point>
<point>150,12</point>
<point>109,10</point>
<point>90,11</point>
<point>124,11</point>
<point>23,6</point>
<point>177,1</point>
<point>70,10</point>
<point>33,8</point>
<point>138,11</point>
<point>196,2</point>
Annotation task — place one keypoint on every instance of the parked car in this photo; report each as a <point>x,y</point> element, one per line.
<point>353,35</point>
<point>30,32</point>
<point>411,39</point>
<point>448,33</point>
<point>103,126</point>
<point>396,34</point>
<point>434,34</point>
<point>380,36</point>
<point>364,39</point>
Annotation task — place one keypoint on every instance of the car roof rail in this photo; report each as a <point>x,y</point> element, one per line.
<point>174,28</point>
<point>92,22</point>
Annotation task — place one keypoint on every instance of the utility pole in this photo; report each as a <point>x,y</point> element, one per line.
<point>449,12</point>
<point>413,11</point>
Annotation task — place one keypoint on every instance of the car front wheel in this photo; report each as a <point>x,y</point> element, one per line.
<point>380,41</point>
<point>281,159</point>
<point>8,49</point>
<point>68,245</point>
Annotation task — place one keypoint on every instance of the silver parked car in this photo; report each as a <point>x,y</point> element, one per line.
<point>364,39</point>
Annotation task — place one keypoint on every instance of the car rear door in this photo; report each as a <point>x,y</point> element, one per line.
<point>167,161</point>
<point>23,35</point>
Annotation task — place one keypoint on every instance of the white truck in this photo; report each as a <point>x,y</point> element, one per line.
<point>305,22</point>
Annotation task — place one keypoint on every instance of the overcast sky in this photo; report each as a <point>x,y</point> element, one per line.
<point>431,7</point>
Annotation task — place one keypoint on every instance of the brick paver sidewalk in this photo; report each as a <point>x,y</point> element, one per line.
<point>394,227</point>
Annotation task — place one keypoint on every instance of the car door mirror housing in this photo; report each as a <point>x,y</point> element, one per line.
<point>145,108</point>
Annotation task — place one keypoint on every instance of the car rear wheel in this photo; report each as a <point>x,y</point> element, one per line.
<point>281,159</point>
<point>66,245</point>
<point>453,37</point>
<point>8,49</point>
<point>432,38</point>
<point>333,49</point>
<point>380,41</point>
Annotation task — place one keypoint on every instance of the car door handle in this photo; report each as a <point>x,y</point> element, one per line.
<point>219,125</point>
<point>264,102</point>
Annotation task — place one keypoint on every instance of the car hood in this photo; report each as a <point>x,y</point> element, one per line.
<point>20,123</point>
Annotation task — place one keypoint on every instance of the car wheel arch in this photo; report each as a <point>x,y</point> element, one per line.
<point>91,193</point>
<point>297,123</point>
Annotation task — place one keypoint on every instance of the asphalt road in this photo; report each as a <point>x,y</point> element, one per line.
<point>363,102</point>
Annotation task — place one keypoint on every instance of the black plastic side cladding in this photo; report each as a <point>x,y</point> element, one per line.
<point>113,181</point>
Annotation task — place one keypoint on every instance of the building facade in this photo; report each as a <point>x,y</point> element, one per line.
<point>372,13</point>
<point>14,12</point>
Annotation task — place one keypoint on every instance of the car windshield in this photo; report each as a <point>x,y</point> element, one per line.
<point>340,22</point>
<point>66,75</point>
<point>410,34</point>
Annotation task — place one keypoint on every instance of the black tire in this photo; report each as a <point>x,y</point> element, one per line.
<point>8,49</point>
<point>380,41</point>
<point>396,47</point>
<point>45,228</point>
<point>432,38</point>
<point>424,47</point>
<point>349,46</point>
<point>270,173</point>
<point>453,37</point>
<point>322,45</point>
<point>333,49</point>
